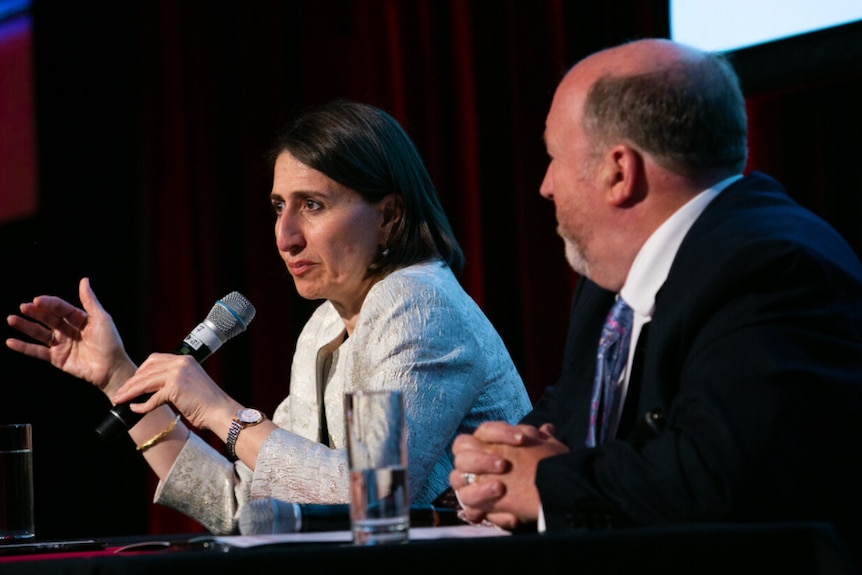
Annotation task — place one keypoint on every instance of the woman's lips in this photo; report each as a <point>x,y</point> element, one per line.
<point>299,268</point>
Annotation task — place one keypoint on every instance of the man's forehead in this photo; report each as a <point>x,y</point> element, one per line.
<point>567,99</point>
<point>561,119</point>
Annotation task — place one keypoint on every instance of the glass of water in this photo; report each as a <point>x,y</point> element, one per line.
<point>16,482</point>
<point>377,448</point>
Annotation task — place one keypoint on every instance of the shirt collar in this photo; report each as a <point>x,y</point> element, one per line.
<point>652,263</point>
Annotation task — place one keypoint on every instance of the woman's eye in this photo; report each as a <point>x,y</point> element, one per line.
<point>312,205</point>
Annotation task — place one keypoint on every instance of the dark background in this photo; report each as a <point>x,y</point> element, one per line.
<point>152,123</point>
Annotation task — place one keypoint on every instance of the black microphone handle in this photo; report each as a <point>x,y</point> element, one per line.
<point>322,517</point>
<point>121,417</point>
<point>269,515</point>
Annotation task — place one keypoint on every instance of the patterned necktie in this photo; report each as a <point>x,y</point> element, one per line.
<point>612,358</point>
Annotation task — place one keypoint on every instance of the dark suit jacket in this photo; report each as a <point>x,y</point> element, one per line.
<point>745,402</point>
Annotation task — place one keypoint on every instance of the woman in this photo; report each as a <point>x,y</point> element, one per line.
<point>358,224</point>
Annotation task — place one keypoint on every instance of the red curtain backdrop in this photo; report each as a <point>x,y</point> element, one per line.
<point>154,118</point>
<point>471,82</point>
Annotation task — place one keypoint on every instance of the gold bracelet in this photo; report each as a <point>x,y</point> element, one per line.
<point>161,435</point>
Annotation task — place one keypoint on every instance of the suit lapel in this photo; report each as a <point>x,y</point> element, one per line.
<point>631,407</point>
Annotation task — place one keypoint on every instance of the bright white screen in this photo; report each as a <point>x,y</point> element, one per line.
<point>723,25</point>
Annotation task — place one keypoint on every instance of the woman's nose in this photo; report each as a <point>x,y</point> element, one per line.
<point>288,235</point>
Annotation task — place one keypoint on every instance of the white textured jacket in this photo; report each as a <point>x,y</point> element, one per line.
<point>417,331</point>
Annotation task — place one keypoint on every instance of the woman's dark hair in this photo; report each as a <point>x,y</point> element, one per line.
<point>365,149</point>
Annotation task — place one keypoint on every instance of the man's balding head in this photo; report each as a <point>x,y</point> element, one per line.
<point>679,104</point>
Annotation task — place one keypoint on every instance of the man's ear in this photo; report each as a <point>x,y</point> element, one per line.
<point>624,167</point>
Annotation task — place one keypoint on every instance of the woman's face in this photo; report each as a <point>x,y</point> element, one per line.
<point>326,233</point>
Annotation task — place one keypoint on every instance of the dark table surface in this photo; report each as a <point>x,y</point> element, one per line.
<point>690,548</point>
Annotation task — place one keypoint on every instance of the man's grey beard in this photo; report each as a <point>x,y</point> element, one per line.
<point>576,259</point>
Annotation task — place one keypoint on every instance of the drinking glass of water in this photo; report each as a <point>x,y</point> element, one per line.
<point>377,448</point>
<point>16,482</point>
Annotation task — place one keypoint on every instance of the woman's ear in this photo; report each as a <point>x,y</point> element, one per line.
<point>391,208</point>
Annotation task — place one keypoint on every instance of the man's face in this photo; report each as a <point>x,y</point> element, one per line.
<point>571,178</point>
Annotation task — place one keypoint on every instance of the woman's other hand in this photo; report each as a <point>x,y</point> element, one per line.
<point>81,342</point>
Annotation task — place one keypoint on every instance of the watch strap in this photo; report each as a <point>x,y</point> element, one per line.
<point>240,422</point>
<point>232,434</point>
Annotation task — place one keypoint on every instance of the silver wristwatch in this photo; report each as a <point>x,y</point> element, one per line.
<point>245,417</point>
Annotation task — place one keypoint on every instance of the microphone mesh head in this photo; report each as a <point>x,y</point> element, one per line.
<point>231,314</point>
<point>267,516</point>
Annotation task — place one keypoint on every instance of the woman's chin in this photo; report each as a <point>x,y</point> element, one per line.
<point>306,291</point>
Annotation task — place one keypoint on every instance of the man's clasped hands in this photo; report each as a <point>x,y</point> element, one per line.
<point>495,471</point>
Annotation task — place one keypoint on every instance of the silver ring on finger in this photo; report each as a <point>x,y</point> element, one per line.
<point>469,478</point>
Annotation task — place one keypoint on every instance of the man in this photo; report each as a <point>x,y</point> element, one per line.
<point>742,382</point>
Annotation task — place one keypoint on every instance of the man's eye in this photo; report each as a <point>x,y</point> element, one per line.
<point>312,205</point>
<point>278,206</point>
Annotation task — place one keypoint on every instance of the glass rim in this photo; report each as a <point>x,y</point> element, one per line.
<point>373,392</point>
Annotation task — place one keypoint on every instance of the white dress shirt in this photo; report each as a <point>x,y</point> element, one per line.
<point>652,264</point>
<point>649,271</point>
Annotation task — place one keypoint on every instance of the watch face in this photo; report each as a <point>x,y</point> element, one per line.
<point>248,415</point>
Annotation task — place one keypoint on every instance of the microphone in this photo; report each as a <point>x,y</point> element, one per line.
<point>228,317</point>
<point>268,516</point>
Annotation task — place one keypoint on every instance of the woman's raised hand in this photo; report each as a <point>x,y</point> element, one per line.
<point>81,342</point>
